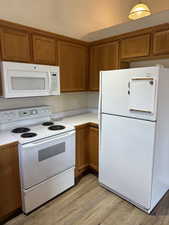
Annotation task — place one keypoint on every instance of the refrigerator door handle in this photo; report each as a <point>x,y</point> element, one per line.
<point>100,98</point>
<point>139,110</point>
<point>129,88</point>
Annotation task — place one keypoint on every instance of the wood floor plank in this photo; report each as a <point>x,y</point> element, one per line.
<point>90,204</point>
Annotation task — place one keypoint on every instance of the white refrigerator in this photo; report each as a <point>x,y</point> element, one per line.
<point>134,134</point>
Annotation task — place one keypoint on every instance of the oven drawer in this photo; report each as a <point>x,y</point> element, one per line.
<point>36,196</point>
<point>45,158</point>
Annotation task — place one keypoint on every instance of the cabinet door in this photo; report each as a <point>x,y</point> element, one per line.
<point>73,67</point>
<point>135,46</point>
<point>93,148</point>
<point>102,57</point>
<point>161,42</point>
<point>10,197</point>
<point>44,50</point>
<point>15,45</point>
<point>81,149</point>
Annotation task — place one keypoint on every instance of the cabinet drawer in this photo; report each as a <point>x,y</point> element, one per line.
<point>161,42</point>
<point>135,47</point>
<point>15,45</point>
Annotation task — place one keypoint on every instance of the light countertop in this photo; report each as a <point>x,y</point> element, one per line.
<point>82,119</point>
<point>7,138</point>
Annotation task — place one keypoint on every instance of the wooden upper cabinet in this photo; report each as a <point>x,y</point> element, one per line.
<point>138,46</point>
<point>44,50</point>
<point>72,60</point>
<point>102,57</point>
<point>15,45</point>
<point>161,42</point>
<point>10,197</point>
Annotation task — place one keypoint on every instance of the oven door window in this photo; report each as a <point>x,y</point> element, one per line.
<point>51,151</point>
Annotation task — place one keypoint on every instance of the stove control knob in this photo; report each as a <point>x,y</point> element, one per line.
<point>34,112</point>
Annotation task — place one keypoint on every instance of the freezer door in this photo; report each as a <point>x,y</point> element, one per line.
<point>142,94</point>
<point>126,157</point>
<point>131,92</point>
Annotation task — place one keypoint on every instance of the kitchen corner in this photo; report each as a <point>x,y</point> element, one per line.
<point>78,117</point>
<point>84,112</point>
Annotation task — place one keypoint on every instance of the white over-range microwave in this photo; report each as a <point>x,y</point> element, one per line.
<point>26,80</point>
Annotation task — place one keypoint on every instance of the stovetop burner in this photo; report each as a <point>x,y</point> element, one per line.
<point>20,130</point>
<point>47,123</point>
<point>57,127</point>
<point>28,135</point>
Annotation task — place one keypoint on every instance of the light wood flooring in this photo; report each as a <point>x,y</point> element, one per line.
<point>89,204</point>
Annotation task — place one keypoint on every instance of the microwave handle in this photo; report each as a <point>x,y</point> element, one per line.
<point>50,81</point>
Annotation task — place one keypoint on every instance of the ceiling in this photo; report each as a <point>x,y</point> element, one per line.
<point>75,18</point>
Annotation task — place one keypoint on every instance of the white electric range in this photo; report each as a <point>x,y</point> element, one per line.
<point>46,153</point>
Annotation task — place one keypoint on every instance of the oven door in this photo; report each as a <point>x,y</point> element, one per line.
<point>45,158</point>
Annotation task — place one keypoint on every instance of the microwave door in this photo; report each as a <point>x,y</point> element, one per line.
<point>26,84</point>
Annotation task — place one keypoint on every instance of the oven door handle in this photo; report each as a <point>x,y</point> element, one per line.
<point>49,139</point>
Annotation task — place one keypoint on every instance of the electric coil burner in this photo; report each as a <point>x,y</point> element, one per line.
<point>28,135</point>
<point>47,123</point>
<point>20,130</point>
<point>56,127</point>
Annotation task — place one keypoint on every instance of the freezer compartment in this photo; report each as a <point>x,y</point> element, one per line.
<point>131,92</point>
<point>142,91</point>
<point>126,157</point>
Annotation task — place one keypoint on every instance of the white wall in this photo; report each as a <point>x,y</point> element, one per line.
<point>75,18</point>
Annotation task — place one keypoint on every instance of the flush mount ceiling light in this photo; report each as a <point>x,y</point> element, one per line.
<point>138,11</point>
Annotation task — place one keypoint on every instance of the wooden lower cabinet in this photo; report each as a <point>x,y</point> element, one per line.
<point>81,149</point>
<point>93,146</point>
<point>86,148</point>
<point>10,191</point>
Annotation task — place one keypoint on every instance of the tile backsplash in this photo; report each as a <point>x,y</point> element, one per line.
<point>64,102</point>
<point>164,62</point>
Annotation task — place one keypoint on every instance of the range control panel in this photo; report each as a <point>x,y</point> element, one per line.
<point>13,115</point>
